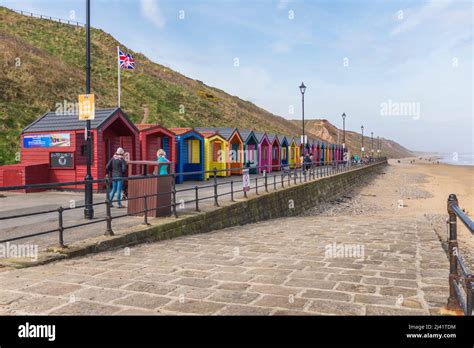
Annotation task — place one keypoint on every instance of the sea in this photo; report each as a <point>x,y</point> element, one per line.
<point>460,159</point>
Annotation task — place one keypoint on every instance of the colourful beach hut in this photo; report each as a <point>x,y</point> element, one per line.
<point>234,149</point>
<point>323,154</point>
<point>154,137</point>
<point>276,148</point>
<point>250,150</point>
<point>312,147</point>
<point>293,152</point>
<point>318,153</point>
<point>190,149</point>
<point>284,154</point>
<point>264,152</point>
<point>299,151</point>
<point>329,151</point>
<point>54,149</point>
<point>215,153</point>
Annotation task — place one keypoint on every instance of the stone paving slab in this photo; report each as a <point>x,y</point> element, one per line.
<point>292,266</point>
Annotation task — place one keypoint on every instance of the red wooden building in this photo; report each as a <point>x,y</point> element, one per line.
<point>154,137</point>
<point>55,144</point>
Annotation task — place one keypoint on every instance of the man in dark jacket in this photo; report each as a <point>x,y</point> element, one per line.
<point>118,167</point>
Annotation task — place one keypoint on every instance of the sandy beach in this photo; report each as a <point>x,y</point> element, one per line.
<point>411,189</point>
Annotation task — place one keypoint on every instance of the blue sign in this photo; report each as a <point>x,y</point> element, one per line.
<point>46,140</point>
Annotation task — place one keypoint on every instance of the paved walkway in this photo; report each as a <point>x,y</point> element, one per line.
<point>305,265</point>
<point>19,203</point>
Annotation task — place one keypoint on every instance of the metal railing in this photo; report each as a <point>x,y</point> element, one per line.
<point>461,281</point>
<point>280,177</point>
<point>55,19</point>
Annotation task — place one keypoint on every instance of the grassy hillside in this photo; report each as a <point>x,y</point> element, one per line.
<point>323,129</point>
<point>51,70</point>
<point>43,64</point>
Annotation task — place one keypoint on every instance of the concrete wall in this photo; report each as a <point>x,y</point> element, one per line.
<point>259,208</point>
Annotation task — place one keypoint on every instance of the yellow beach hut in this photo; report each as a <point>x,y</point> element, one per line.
<point>215,149</point>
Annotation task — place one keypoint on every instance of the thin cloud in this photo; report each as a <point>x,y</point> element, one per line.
<point>150,10</point>
<point>428,11</point>
<point>283,4</point>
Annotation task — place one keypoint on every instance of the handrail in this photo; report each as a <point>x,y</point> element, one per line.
<point>310,171</point>
<point>461,280</point>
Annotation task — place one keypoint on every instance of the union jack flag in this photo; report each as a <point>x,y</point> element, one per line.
<point>126,61</point>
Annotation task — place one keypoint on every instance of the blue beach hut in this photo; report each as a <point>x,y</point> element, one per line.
<point>190,149</point>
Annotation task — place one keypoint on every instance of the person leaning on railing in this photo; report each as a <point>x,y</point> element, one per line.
<point>118,167</point>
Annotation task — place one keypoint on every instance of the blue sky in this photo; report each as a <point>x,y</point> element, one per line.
<point>355,56</point>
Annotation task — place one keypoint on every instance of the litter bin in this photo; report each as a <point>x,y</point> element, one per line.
<point>157,188</point>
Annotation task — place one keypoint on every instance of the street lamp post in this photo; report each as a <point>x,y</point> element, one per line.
<point>372,144</point>
<point>362,147</point>
<point>88,206</point>
<point>378,146</point>
<point>344,131</point>
<point>303,90</point>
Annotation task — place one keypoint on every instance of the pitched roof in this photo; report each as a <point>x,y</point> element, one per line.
<point>142,126</point>
<point>207,134</point>
<point>272,138</point>
<point>259,136</point>
<point>282,138</point>
<point>180,131</point>
<point>227,132</point>
<point>52,121</point>
<point>246,133</point>
<point>206,129</point>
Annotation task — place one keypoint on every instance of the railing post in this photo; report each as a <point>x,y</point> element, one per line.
<point>214,172</point>
<point>453,302</point>
<point>108,212</point>
<point>266,183</point>
<point>282,178</point>
<point>274,182</point>
<point>469,295</point>
<point>145,208</point>
<point>61,227</point>
<point>296,175</point>
<point>196,196</point>
<point>256,184</point>
<point>232,191</point>
<point>175,213</point>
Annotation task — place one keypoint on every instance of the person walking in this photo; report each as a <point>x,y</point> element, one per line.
<point>161,158</point>
<point>117,167</point>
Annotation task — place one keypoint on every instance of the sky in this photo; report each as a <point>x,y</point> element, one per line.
<point>403,69</point>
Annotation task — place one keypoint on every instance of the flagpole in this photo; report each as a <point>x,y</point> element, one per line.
<point>118,75</point>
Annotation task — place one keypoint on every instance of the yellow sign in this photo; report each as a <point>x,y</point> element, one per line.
<point>86,107</point>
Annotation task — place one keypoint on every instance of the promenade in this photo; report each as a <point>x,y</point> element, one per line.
<point>19,203</point>
<point>342,261</point>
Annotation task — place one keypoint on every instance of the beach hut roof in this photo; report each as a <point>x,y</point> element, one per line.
<point>180,131</point>
<point>282,138</point>
<point>53,121</point>
<point>260,136</point>
<point>150,127</point>
<point>272,137</point>
<point>207,134</point>
<point>227,133</point>
<point>247,134</point>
